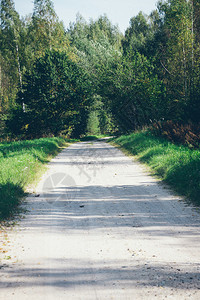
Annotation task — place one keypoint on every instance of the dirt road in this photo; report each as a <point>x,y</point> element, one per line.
<point>99,227</point>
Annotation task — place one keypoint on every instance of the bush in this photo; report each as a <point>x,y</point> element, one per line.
<point>185,134</point>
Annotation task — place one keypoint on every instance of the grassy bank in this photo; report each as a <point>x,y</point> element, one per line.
<point>177,165</point>
<point>20,164</point>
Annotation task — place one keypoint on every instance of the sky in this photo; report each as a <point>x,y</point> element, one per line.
<point>119,12</point>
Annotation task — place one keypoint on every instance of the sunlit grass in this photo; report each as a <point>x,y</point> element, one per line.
<point>177,165</point>
<point>20,164</point>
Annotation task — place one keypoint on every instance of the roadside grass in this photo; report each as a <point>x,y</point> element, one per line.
<point>177,165</point>
<point>21,163</point>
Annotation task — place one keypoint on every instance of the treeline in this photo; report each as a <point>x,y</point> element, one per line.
<point>91,78</point>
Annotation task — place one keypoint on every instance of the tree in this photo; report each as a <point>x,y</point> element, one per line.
<point>56,92</point>
<point>46,31</point>
<point>134,93</point>
<point>10,50</point>
<point>176,55</point>
<point>139,35</point>
<point>96,44</point>
<point>193,109</point>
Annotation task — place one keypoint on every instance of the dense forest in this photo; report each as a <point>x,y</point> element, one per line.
<point>92,79</point>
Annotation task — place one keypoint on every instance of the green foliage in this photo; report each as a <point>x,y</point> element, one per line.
<point>46,31</point>
<point>20,163</point>
<point>178,55</point>
<point>93,123</point>
<point>16,122</point>
<point>97,45</point>
<point>100,30</point>
<point>152,73</point>
<point>22,41</point>
<point>134,92</point>
<point>99,119</point>
<point>55,93</point>
<point>10,54</point>
<point>179,166</point>
<point>139,34</point>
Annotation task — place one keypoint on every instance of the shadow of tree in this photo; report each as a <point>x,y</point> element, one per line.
<point>78,273</point>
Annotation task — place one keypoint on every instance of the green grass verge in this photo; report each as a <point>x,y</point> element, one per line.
<point>20,164</point>
<point>177,165</point>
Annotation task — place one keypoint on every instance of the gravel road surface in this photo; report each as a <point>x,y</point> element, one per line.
<point>100,227</point>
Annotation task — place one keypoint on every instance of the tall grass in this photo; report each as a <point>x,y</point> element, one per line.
<point>20,163</point>
<point>177,165</point>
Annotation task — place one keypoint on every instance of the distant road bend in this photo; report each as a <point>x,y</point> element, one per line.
<point>102,228</point>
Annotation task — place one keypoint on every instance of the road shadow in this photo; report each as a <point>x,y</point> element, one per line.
<point>78,273</point>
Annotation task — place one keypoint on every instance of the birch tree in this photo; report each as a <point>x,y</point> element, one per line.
<point>10,52</point>
<point>46,31</point>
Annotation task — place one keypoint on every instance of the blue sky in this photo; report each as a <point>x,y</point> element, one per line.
<point>118,11</point>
